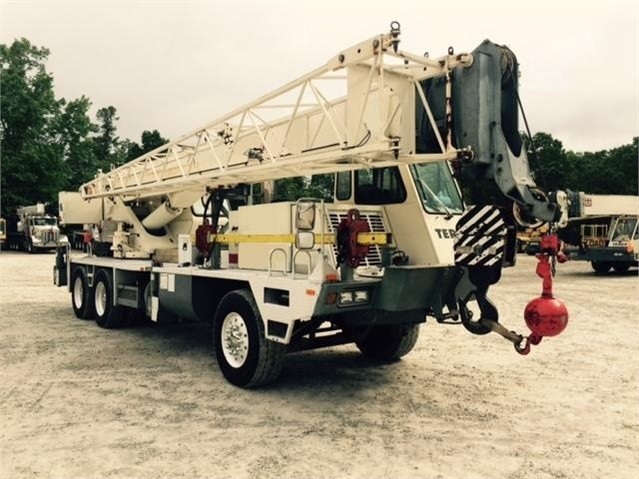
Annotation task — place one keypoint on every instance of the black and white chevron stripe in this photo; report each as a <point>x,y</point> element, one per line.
<point>480,237</point>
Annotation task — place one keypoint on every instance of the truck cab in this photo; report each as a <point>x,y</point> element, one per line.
<point>607,243</point>
<point>602,229</point>
<point>422,203</point>
<point>35,230</point>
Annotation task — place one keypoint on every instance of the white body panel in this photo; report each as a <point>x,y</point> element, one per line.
<point>74,210</point>
<point>279,219</point>
<point>603,205</point>
<point>273,218</point>
<point>303,294</point>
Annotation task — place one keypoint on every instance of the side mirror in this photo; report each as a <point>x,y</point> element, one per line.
<point>304,240</point>
<point>305,217</point>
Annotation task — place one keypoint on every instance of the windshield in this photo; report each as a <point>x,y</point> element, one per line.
<point>624,229</point>
<point>44,221</point>
<point>437,189</point>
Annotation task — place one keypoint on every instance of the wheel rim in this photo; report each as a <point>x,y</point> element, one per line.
<point>235,341</point>
<point>78,292</point>
<point>100,299</point>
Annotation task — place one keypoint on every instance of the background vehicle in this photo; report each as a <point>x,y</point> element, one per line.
<point>529,239</point>
<point>395,246</point>
<point>3,232</point>
<point>602,229</point>
<point>34,230</point>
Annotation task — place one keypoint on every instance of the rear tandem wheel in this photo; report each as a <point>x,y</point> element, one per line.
<point>107,315</point>
<point>81,295</point>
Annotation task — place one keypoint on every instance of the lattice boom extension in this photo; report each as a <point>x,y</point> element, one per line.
<point>369,121</point>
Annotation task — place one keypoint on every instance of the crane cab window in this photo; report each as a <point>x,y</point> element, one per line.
<point>47,221</point>
<point>343,186</point>
<point>380,186</point>
<point>625,229</point>
<point>437,188</point>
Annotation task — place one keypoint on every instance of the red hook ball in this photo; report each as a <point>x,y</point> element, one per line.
<point>546,316</point>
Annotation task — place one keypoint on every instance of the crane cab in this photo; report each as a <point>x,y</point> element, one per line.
<point>422,203</point>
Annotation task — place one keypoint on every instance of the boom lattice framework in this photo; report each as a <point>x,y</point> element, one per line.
<point>370,124</point>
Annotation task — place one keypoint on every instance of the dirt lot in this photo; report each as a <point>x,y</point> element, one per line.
<point>79,401</point>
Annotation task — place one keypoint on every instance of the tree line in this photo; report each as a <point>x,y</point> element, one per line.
<point>51,144</point>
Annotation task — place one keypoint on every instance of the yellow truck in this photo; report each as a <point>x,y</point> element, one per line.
<point>528,239</point>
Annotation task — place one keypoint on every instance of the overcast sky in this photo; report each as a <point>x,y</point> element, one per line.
<point>174,66</point>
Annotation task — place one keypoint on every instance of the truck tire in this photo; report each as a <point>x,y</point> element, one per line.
<point>601,267</point>
<point>389,342</point>
<point>107,315</point>
<point>81,295</point>
<point>621,267</point>
<point>246,358</point>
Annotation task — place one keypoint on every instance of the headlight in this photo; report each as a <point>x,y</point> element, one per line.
<point>353,297</point>
<point>345,298</point>
<point>35,240</point>
<point>361,296</point>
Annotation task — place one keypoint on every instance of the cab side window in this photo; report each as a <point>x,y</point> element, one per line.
<point>381,186</point>
<point>343,186</point>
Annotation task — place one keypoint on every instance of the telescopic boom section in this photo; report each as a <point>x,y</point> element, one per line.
<point>356,111</point>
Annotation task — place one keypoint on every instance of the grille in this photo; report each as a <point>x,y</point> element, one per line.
<point>49,236</point>
<point>376,225</point>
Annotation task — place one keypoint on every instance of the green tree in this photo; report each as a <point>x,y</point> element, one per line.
<point>31,169</point>
<point>106,142</point>
<point>150,140</point>
<point>289,189</point>
<point>612,171</point>
<point>321,186</point>
<point>73,128</point>
<point>317,186</point>
<point>625,161</point>
<point>548,163</point>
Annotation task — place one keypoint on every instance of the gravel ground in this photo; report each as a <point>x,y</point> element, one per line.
<point>149,401</point>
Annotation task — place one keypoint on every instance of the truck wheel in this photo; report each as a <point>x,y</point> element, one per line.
<point>621,267</point>
<point>246,358</point>
<point>29,247</point>
<point>600,267</point>
<point>81,296</point>
<point>107,315</point>
<point>389,342</point>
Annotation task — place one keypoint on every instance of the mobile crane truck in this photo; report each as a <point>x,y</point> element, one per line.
<point>396,246</point>
<point>602,229</point>
<point>33,230</point>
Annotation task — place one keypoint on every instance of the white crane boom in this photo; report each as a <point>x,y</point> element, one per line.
<point>368,122</point>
